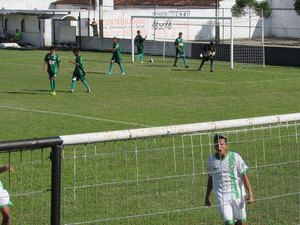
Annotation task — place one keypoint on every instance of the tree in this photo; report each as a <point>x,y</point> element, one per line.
<point>297,6</point>
<point>241,6</point>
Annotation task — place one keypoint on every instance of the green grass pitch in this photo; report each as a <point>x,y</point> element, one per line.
<point>150,94</point>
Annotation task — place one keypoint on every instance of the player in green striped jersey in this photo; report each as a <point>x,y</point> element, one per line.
<point>228,177</point>
<point>79,71</point>
<point>139,43</point>
<point>52,60</point>
<point>5,203</point>
<point>116,57</point>
<point>179,47</point>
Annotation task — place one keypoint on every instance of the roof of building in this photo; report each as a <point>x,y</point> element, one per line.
<point>166,2</point>
<point>75,2</point>
<point>204,3</point>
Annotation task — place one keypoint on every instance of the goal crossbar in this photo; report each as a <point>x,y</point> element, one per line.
<point>89,138</point>
<point>184,18</point>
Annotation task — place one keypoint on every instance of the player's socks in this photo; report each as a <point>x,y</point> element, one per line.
<point>73,86</point>
<point>110,68</point>
<point>139,56</point>
<point>85,83</point>
<point>142,58</point>
<point>185,62</point>
<point>122,69</point>
<point>54,85</point>
<point>175,62</point>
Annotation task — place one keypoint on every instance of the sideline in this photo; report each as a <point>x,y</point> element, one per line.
<point>73,115</point>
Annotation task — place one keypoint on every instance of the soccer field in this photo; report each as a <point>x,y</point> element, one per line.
<point>150,94</point>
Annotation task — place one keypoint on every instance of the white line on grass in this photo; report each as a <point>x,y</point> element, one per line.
<point>72,115</point>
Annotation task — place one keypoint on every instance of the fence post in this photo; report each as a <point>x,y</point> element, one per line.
<point>55,184</point>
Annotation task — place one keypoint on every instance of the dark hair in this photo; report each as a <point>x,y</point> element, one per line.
<point>180,32</point>
<point>75,50</point>
<point>52,48</point>
<point>219,136</point>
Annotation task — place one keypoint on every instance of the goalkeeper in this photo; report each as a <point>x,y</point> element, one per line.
<point>179,47</point>
<point>139,43</point>
<point>209,51</point>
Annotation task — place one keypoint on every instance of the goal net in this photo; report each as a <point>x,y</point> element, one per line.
<point>159,175</point>
<point>239,41</point>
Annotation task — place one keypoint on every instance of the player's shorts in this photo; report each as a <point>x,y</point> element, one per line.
<point>4,199</point>
<point>233,210</point>
<point>77,77</point>
<point>115,60</point>
<point>52,75</point>
<point>180,54</point>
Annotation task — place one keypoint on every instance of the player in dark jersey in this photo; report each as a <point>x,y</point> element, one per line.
<point>79,71</point>
<point>209,52</point>
<point>52,60</point>
<point>139,43</point>
<point>116,57</point>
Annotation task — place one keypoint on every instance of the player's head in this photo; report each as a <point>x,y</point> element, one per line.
<point>76,51</point>
<point>138,32</point>
<point>115,39</point>
<point>52,50</point>
<point>180,34</point>
<point>220,144</point>
<point>211,43</point>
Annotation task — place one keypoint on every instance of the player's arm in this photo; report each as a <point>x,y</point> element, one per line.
<point>248,186</point>
<point>213,51</point>
<point>58,66</point>
<point>44,66</point>
<point>208,190</point>
<point>111,49</point>
<point>9,168</point>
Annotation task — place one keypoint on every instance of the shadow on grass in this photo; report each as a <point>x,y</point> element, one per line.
<point>32,92</point>
<point>94,72</point>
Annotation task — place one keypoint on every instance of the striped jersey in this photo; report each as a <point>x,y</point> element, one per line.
<point>227,175</point>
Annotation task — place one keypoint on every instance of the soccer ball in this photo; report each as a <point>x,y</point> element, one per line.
<point>151,60</point>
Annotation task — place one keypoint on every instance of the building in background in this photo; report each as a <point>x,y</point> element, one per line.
<point>48,22</point>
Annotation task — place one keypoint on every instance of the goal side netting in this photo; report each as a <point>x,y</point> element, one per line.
<point>159,175</point>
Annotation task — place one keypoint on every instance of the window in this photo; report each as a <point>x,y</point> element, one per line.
<point>6,24</point>
<point>23,25</point>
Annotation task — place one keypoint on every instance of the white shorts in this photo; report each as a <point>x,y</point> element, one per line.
<point>233,210</point>
<point>4,198</point>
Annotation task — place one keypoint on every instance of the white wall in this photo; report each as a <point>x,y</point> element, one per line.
<point>26,4</point>
<point>283,23</point>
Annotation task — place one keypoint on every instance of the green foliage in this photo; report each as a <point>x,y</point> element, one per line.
<point>240,6</point>
<point>297,6</point>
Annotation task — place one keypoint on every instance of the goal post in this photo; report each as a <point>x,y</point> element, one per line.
<point>163,30</point>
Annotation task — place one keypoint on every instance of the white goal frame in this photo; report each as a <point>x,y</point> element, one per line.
<point>189,18</point>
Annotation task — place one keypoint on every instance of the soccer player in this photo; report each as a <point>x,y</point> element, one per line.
<point>79,71</point>
<point>209,51</point>
<point>227,175</point>
<point>179,47</point>
<point>139,43</point>
<point>52,60</point>
<point>116,57</point>
<point>5,203</point>
<point>95,28</point>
